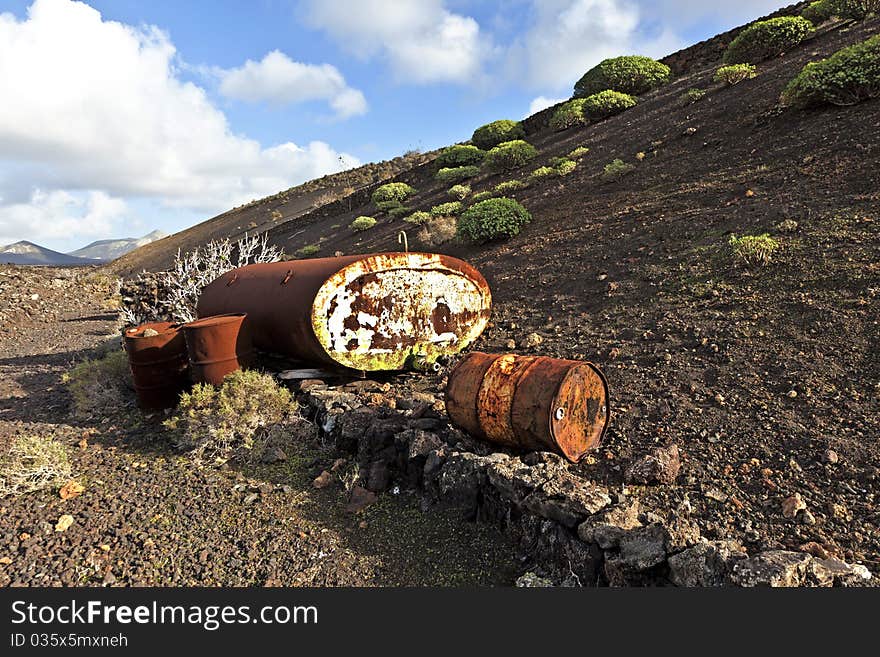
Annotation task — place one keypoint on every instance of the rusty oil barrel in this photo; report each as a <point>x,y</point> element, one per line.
<point>532,403</point>
<point>159,365</point>
<point>361,312</point>
<point>217,346</point>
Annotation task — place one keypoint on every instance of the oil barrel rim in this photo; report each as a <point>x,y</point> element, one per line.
<point>214,320</point>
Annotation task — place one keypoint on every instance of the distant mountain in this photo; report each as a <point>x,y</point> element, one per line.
<point>107,250</point>
<point>28,253</point>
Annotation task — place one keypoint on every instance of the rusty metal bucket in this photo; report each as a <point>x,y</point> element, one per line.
<point>217,346</point>
<point>532,403</point>
<point>159,366</point>
<point>364,312</point>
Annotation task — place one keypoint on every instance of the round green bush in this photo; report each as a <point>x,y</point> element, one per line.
<point>459,192</point>
<point>855,9</point>
<point>482,196</point>
<point>569,115</point>
<point>607,103</point>
<point>460,155</point>
<point>494,133</point>
<point>632,74</point>
<point>391,195</point>
<point>418,218</point>
<point>492,219</point>
<point>450,209</point>
<point>362,223</point>
<point>735,73</point>
<point>766,39</point>
<point>509,155</point>
<point>509,186</point>
<point>849,76</point>
<point>819,12</point>
<point>456,174</point>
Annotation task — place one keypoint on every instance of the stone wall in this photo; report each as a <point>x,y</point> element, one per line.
<point>575,530</point>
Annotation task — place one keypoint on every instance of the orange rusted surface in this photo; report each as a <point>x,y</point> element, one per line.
<point>462,391</point>
<point>496,395</point>
<point>217,346</point>
<point>366,312</point>
<point>159,366</point>
<point>531,403</point>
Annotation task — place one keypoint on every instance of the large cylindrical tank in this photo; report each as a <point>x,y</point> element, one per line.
<point>361,312</point>
<point>533,403</point>
<point>159,366</point>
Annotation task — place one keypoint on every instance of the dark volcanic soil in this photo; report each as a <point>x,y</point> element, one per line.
<point>758,376</point>
<point>149,517</point>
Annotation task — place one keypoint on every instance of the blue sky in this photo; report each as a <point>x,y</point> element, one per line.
<point>131,116</point>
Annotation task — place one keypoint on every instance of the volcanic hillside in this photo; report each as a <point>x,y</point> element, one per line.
<point>265,214</point>
<point>766,378</point>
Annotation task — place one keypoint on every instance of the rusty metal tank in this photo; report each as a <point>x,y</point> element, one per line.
<point>533,403</point>
<point>216,346</point>
<point>159,365</point>
<point>362,312</point>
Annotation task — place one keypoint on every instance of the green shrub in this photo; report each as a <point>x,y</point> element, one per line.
<point>633,75</point>
<point>32,463</point>
<point>510,155</point>
<point>565,167</point>
<point>569,115</point>
<point>451,209</point>
<point>849,76</point>
<point>606,104</point>
<point>362,223</point>
<point>509,186</point>
<point>308,251</point>
<point>692,96</point>
<point>819,12</point>
<point>102,387</point>
<point>617,168</point>
<point>460,155</point>
<point>855,9</point>
<point>418,218</point>
<point>492,219</point>
<point>482,196</point>
<point>391,195</point>
<point>735,73</point>
<point>456,174</point>
<point>235,420</point>
<point>766,39</point>
<point>754,250</point>
<point>492,134</point>
<point>459,192</point>
<point>542,172</point>
<point>399,211</point>
<point>579,152</point>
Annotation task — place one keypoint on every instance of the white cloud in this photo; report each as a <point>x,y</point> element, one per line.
<point>59,214</point>
<point>99,105</point>
<point>541,103</point>
<point>567,37</point>
<point>421,39</point>
<point>279,80</point>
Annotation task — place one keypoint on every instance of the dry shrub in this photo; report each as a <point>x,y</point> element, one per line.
<point>437,231</point>
<point>235,421</point>
<point>32,463</point>
<point>101,387</point>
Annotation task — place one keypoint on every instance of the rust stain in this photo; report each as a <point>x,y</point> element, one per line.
<point>159,366</point>
<point>531,403</point>
<point>368,312</point>
<point>217,346</point>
